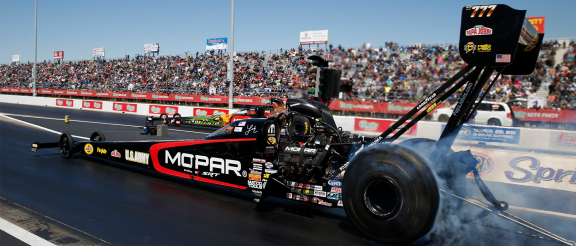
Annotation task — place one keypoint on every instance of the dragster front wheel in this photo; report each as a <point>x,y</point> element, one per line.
<point>66,145</point>
<point>98,136</point>
<point>390,194</point>
<point>163,119</point>
<point>176,119</point>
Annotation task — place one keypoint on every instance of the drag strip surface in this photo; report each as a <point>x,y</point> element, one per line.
<point>104,203</point>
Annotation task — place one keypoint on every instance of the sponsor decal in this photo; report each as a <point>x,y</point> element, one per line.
<point>479,30</point>
<point>426,101</point>
<point>266,175</point>
<point>116,154</point>
<point>259,160</point>
<point>297,197</point>
<point>566,140</point>
<point>291,184</point>
<point>333,195</point>
<point>257,166</point>
<point>484,47</point>
<point>309,192</point>
<point>257,192</point>
<point>337,190</point>
<point>289,195</point>
<point>340,203</point>
<point>242,123</point>
<point>237,129</point>
<point>136,156</point>
<point>433,106</point>
<point>300,185</point>
<point>297,149</point>
<point>541,173</point>
<point>320,193</point>
<point>101,150</point>
<point>470,47</point>
<point>272,140</point>
<point>255,184</point>
<point>318,187</point>
<point>64,102</point>
<point>485,164</point>
<point>298,190</point>
<point>254,177</point>
<point>251,128</point>
<point>196,161</point>
<point>269,165</point>
<point>323,203</point>
<point>271,171</point>
<point>304,198</point>
<point>503,58</point>
<point>244,173</point>
<point>89,149</point>
<point>211,174</point>
<point>255,172</point>
<point>335,183</point>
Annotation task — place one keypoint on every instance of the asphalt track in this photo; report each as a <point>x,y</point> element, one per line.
<point>83,201</point>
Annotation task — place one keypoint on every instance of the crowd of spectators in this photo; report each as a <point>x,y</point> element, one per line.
<point>374,74</point>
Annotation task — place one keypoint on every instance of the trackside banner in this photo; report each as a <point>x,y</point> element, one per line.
<point>524,168</point>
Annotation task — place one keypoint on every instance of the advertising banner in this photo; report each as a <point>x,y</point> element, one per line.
<point>209,111</point>
<point>64,103</point>
<point>15,58</point>
<point>314,37</point>
<point>58,55</point>
<point>488,134</point>
<point>99,52</point>
<point>151,47</point>
<point>160,109</point>
<point>125,107</point>
<point>216,43</point>
<point>546,115</point>
<point>524,168</point>
<point>563,140</point>
<point>92,104</point>
<point>379,126</point>
<point>537,22</point>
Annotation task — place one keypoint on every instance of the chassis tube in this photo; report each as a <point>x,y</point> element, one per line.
<point>424,102</point>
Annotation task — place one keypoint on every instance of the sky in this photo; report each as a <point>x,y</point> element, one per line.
<point>123,26</point>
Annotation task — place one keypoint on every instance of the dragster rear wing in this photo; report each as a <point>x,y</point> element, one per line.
<point>492,38</point>
<point>499,36</point>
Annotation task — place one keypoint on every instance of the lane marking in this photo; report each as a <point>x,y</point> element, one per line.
<point>23,235</point>
<point>95,122</point>
<point>572,216</point>
<point>48,217</point>
<point>40,127</point>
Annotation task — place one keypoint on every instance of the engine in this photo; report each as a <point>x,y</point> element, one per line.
<point>310,148</point>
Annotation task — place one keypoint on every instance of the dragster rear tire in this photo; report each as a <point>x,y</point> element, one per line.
<point>98,136</point>
<point>164,119</point>
<point>66,145</point>
<point>390,194</point>
<point>177,118</point>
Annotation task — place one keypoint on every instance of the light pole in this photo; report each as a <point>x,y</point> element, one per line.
<point>35,46</point>
<point>231,62</point>
<point>186,53</point>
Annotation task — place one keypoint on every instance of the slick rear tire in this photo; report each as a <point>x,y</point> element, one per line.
<point>177,118</point>
<point>390,194</point>
<point>66,145</point>
<point>164,119</point>
<point>97,136</point>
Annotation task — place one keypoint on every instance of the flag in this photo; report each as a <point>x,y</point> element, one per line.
<point>503,58</point>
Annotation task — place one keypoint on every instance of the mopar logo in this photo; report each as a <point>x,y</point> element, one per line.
<point>297,149</point>
<point>188,160</point>
<point>336,183</point>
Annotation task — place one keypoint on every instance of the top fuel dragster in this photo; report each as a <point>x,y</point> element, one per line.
<point>389,191</point>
